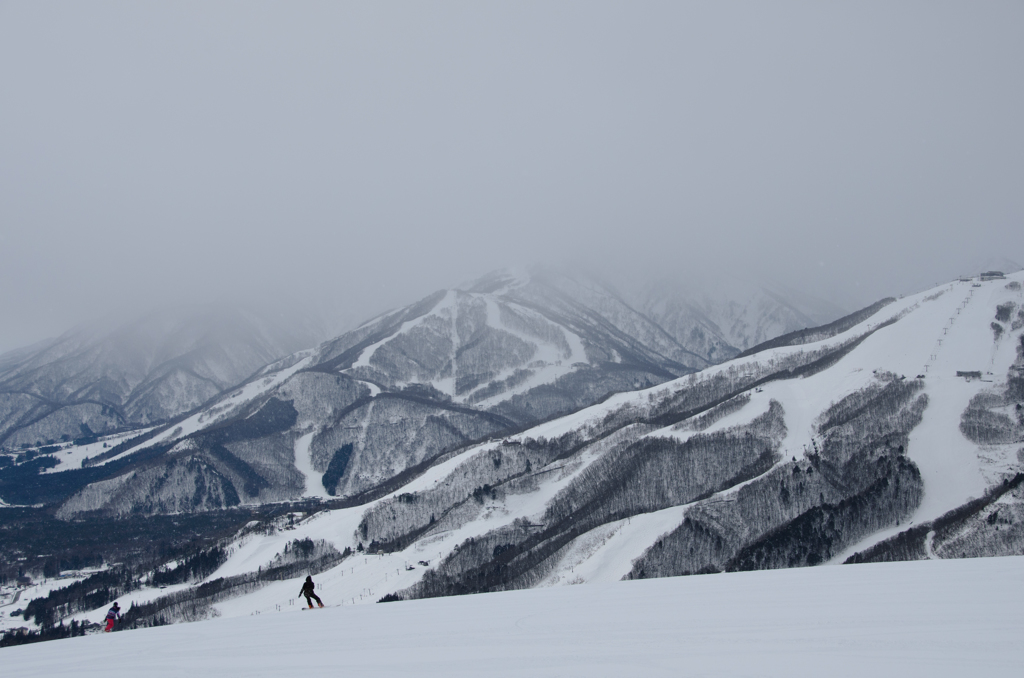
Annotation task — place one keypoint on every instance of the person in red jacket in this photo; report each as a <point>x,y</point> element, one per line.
<point>307,590</point>
<point>113,614</point>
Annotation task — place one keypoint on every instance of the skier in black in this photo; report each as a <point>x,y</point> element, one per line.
<point>307,590</point>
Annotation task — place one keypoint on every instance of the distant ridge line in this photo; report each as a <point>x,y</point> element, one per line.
<point>807,335</point>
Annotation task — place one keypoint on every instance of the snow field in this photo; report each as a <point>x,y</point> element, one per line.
<point>606,553</point>
<point>71,458</point>
<point>934,618</point>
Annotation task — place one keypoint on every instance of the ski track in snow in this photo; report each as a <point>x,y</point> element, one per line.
<point>367,353</point>
<point>606,553</point>
<point>934,618</point>
<point>304,464</point>
<point>556,363</point>
<point>949,463</point>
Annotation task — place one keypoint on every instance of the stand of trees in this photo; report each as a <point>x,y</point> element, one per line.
<point>992,525</point>
<point>24,636</point>
<point>805,512</point>
<point>194,568</point>
<point>633,475</point>
<point>90,593</point>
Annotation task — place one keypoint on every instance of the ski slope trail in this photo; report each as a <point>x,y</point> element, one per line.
<point>934,618</point>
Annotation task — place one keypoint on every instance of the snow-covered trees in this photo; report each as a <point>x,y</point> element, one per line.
<point>804,512</point>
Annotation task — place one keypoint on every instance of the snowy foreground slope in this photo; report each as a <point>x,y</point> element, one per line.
<point>934,618</point>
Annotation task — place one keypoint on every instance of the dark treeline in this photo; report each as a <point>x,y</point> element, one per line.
<point>805,512</point>
<point>657,472</point>
<point>392,433</point>
<point>703,421</point>
<point>90,593</point>
<point>190,560</point>
<point>704,392</point>
<point>194,568</point>
<point>122,447</point>
<point>997,417</point>
<point>986,526</point>
<point>58,632</point>
<point>24,484</point>
<point>336,468</point>
<point>50,546</point>
<point>813,334</point>
<point>215,469</point>
<point>634,475</point>
<point>1015,378</point>
<point>578,389</point>
<point>305,551</point>
<point>395,522</point>
<point>823,531</point>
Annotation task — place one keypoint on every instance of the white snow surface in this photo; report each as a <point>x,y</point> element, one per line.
<point>304,464</point>
<point>931,618</point>
<point>71,456</point>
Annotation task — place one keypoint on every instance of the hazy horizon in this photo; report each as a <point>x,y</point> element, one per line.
<point>349,158</point>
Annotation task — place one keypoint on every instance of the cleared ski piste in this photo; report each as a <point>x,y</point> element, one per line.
<point>927,618</point>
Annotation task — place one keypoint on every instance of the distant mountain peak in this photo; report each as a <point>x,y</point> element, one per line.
<point>112,374</point>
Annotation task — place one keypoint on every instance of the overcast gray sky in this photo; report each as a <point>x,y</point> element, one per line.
<point>354,156</point>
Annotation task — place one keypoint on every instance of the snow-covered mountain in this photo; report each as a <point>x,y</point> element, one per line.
<point>731,313</point>
<point>894,436</point>
<point>350,417</point>
<point>561,341</point>
<point>93,380</point>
